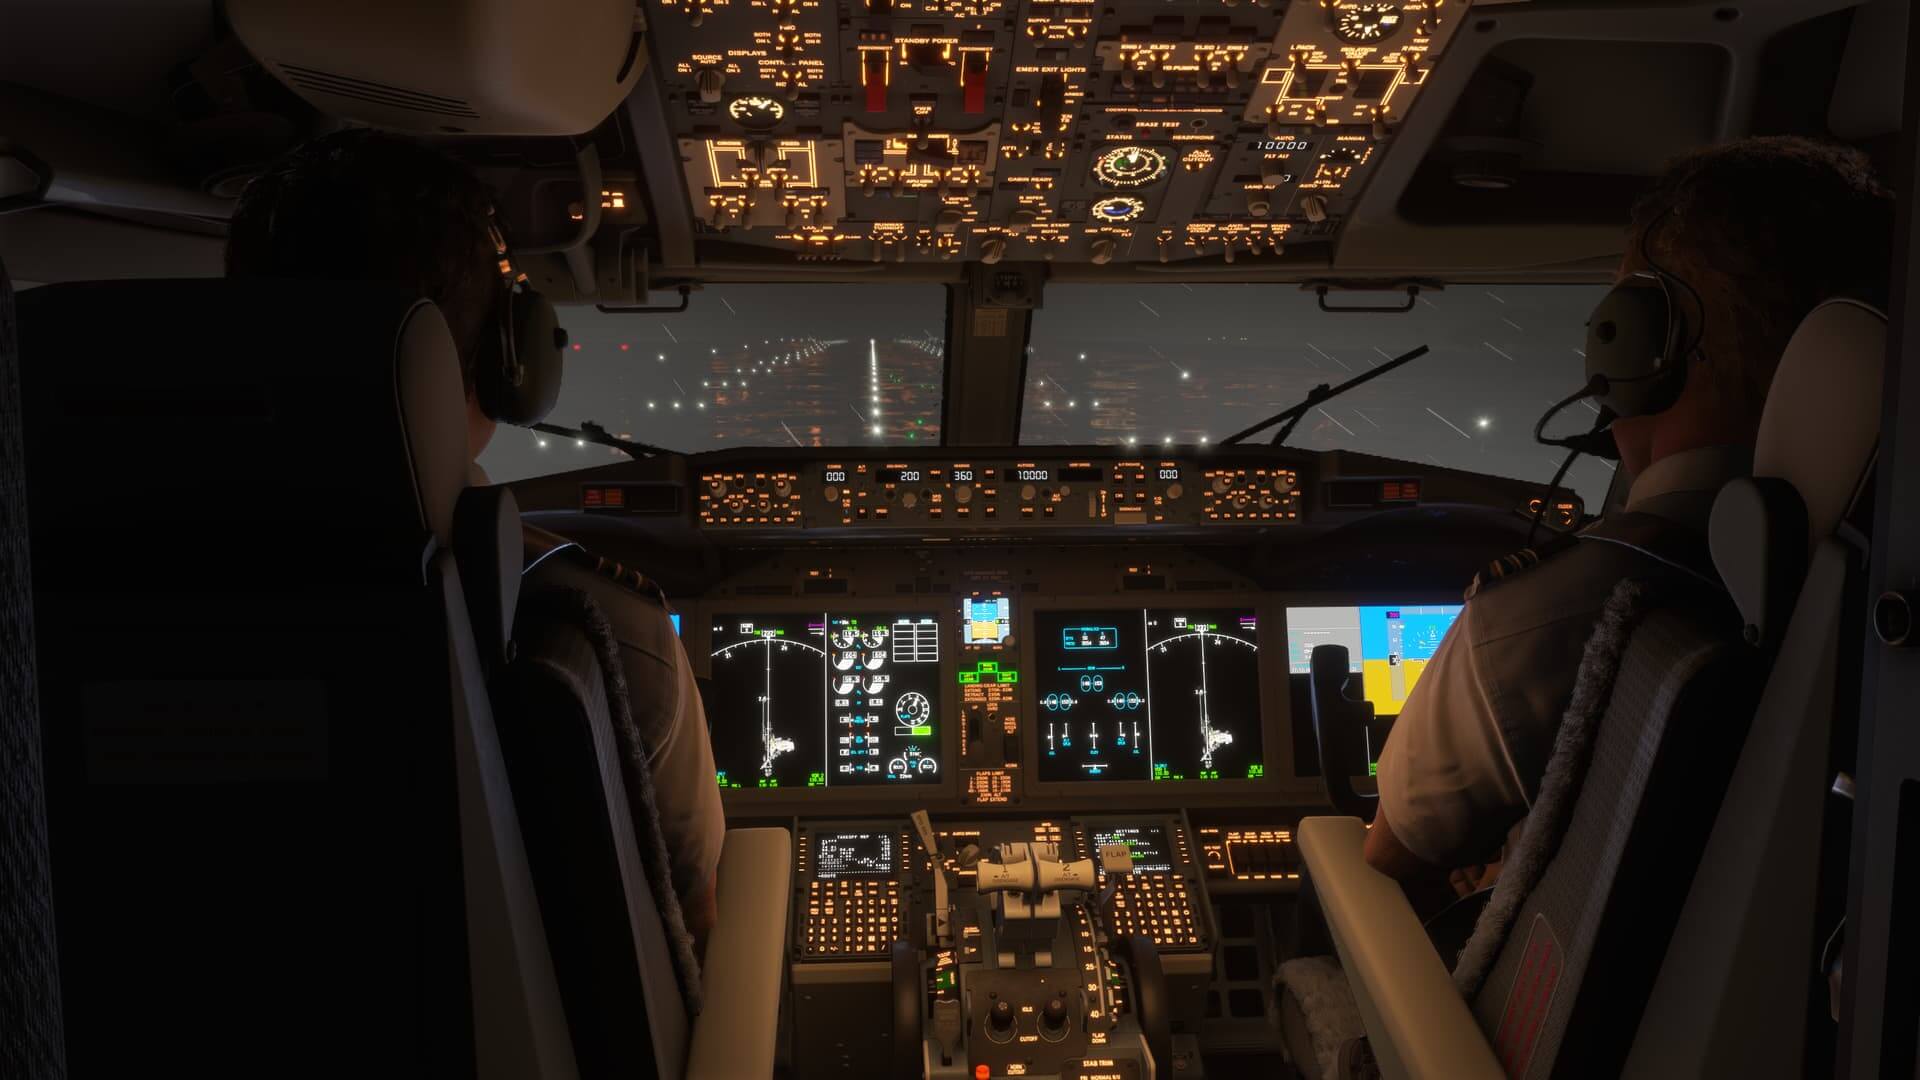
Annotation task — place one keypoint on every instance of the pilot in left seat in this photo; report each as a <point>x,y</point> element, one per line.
<point>364,205</point>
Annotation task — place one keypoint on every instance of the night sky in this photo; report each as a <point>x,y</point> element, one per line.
<point>861,365</point>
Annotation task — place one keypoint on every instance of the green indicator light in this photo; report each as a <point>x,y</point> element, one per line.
<point>1373,768</point>
<point>769,782</point>
<point>818,779</point>
<point>1255,772</point>
<point>924,730</point>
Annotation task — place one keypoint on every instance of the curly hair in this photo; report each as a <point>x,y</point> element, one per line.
<point>366,205</point>
<point>1777,224</point>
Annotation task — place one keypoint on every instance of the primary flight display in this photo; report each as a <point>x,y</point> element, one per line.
<point>825,699</point>
<point>1153,694</point>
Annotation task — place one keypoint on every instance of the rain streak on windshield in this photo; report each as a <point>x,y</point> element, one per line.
<point>745,365</point>
<point>1186,364</point>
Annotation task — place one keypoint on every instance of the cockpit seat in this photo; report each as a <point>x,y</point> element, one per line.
<point>638,1002</point>
<point>1604,951</point>
<point>280,830</point>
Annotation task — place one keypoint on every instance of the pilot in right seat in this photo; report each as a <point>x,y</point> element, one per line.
<point>1745,238</point>
<point>364,205</point>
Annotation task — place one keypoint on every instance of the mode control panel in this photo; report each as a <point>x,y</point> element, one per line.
<point>962,493</point>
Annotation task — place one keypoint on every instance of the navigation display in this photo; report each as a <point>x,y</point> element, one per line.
<point>1388,646</point>
<point>852,854</point>
<point>1148,844</point>
<point>825,699</point>
<point>1159,694</point>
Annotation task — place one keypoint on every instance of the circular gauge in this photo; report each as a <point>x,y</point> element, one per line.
<point>913,708</point>
<point>1341,155</point>
<point>1130,166</point>
<point>756,112</point>
<point>1366,22</point>
<point>1118,208</point>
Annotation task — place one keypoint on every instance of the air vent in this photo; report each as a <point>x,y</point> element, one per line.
<point>393,97</point>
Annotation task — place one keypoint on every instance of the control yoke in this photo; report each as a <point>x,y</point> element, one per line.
<point>1339,729</point>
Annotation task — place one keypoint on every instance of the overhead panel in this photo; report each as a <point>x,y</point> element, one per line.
<point>1132,130</point>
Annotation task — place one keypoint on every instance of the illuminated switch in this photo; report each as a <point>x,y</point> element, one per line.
<point>873,75</point>
<point>973,82</point>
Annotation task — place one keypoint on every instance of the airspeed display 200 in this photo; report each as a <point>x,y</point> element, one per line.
<point>824,699</point>
<point>1160,694</point>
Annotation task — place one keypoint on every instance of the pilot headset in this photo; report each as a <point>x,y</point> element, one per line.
<point>1639,343</point>
<point>1639,340</point>
<point>518,367</point>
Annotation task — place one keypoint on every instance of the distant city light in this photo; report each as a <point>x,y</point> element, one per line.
<point>623,346</point>
<point>1483,422</point>
<point>1083,356</point>
<point>649,404</point>
<point>1047,404</point>
<point>579,442</point>
<point>1096,403</point>
<point>542,442</point>
<point>1186,374</point>
<point>876,429</point>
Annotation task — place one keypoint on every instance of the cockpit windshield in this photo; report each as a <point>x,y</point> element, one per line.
<point>745,365</point>
<point>1192,364</point>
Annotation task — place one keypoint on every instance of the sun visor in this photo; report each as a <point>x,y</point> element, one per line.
<point>557,67</point>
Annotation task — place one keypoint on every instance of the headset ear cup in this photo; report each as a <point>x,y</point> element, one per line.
<point>528,392</point>
<point>1630,341</point>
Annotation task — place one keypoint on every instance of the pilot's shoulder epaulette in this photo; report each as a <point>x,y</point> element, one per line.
<point>1509,566</point>
<point>541,545</point>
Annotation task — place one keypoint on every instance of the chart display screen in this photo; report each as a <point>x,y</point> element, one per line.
<point>825,699</point>
<point>1156,694</point>
<point>852,855</point>
<point>1388,646</point>
<point>1148,844</point>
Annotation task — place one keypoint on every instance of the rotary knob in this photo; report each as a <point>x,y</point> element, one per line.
<point>909,500</point>
<point>716,487</point>
<point>710,80</point>
<point>1174,490</point>
<point>950,219</point>
<point>1020,221</point>
<point>1259,201</point>
<point>1283,484</point>
<point>1240,502</point>
<point>1103,250</point>
<point>832,493</point>
<point>963,494</point>
<point>782,487</point>
<point>1221,484</point>
<point>1273,172</point>
<point>992,250</point>
<point>1027,492</point>
<point>1314,207</point>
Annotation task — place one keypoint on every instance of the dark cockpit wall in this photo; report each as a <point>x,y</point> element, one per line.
<point>1534,129</point>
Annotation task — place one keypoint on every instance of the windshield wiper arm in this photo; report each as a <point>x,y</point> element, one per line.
<point>1316,397</point>
<point>589,431</point>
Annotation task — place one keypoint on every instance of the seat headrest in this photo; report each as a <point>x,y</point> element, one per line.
<point>1821,422</point>
<point>289,407</point>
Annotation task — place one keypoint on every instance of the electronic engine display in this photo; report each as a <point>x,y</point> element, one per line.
<point>819,699</point>
<point>1160,694</point>
<point>852,854</point>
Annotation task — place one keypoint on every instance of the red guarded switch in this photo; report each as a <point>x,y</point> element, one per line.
<point>873,74</point>
<point>973,81</point>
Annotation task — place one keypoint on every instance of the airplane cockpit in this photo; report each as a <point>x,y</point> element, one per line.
<point>1055,440</point>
